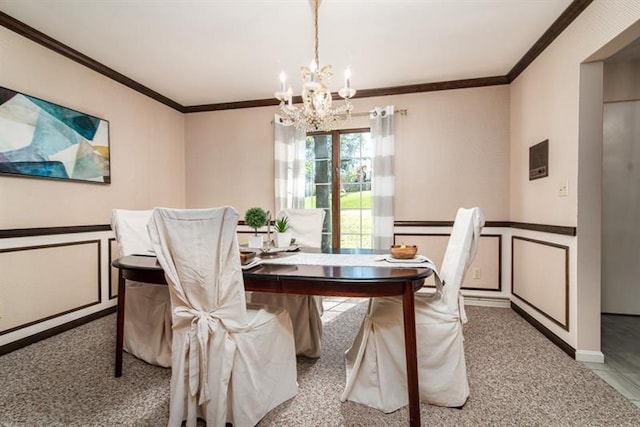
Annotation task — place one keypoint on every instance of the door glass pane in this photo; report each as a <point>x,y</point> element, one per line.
<point>318,180</point>
<point>355,190</point>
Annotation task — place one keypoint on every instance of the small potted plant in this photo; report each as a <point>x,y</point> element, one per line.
<point>283,237</point>
<point>255,218</point>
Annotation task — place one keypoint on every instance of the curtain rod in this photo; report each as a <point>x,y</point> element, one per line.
<point>400,112</point>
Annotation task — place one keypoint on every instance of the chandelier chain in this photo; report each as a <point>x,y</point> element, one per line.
<point>315,29</point>
<point>316,112</point>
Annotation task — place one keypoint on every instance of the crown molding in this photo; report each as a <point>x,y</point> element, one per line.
<point>362,93</point>
<point>564,20</point>
<point>559,25</point>
<point>82,59</point>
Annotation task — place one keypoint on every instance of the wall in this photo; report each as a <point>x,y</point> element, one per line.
<point>229,159</point>
<point>452,150</point>
<point>545,103</point>
<point>460,147</point>
<point>621,189</point>
<point>52,279</point>
<point>141,130</point>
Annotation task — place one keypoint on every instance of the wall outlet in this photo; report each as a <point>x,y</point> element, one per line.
<point>477,273</point>
<point>563,190</point>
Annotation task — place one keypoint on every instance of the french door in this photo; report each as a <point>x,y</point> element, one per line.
<point>338,179</point>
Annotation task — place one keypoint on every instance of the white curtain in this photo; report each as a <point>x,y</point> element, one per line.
<point>383,176</point>
<point>289,160</point>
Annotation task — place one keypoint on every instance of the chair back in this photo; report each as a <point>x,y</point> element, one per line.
<point>130,228</point>
<point>198,250</point>
<point>460,252</point>
<point>305,226</point>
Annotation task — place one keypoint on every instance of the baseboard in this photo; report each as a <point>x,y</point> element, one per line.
<point>15,345</point>
<point>589,356</point>
<point>487,302</point>
<point>545,331</point>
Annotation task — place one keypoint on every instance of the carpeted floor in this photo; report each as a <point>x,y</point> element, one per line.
<point>516,376</point>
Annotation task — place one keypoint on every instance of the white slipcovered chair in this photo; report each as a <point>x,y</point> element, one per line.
<point>147,320</point>
<point>375,364</point>
<point>231,363</point>
<point>305,226</point>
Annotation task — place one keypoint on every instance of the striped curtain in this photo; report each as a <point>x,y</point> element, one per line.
<point>382,176</point>
<point>289,160</point>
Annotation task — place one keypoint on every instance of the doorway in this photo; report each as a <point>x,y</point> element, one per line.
<point>620,283</point>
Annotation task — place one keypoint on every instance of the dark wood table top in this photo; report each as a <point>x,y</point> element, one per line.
<point>357,281</point>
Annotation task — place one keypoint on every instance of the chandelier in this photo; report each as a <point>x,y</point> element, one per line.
<point>316,113</point>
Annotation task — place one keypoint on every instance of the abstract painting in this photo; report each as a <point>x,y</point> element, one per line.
<point>45,140</point>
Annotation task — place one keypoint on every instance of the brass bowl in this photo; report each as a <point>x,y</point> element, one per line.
<point>403,251</point>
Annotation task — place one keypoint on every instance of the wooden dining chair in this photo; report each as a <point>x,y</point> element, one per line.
<point>231,363</point>
<point>375,363</point>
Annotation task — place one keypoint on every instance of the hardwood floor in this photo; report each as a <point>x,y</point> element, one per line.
<point>335,306</point>
<point>621,348</point>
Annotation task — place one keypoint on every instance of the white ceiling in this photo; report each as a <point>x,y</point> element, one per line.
<point>214,51</point>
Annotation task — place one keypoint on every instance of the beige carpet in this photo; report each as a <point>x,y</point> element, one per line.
<point>517,378</point>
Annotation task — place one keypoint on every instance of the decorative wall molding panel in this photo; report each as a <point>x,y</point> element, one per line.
<point>540,273</point>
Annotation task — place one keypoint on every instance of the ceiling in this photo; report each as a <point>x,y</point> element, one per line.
<point>198,52</point>
<point>631,52</point>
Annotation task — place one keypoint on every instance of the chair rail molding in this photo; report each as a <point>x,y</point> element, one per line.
<point>493,285</point>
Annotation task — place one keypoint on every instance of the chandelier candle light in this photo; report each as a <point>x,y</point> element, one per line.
<point>316,113</point>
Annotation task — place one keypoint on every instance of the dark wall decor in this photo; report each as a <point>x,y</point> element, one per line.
<point>45,140</point>
<point>539,160</point>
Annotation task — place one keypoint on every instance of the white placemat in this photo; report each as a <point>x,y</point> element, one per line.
<point>349,260</point>
<point>253,263</point>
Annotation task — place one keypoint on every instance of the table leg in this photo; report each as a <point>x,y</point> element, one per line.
<point>411,354</point>
<point>120,323</point>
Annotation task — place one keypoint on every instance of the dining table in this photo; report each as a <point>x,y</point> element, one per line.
<point>333,272</point>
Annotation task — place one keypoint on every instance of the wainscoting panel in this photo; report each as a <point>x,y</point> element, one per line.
<point>57,278</point>
<point>541,277</point>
